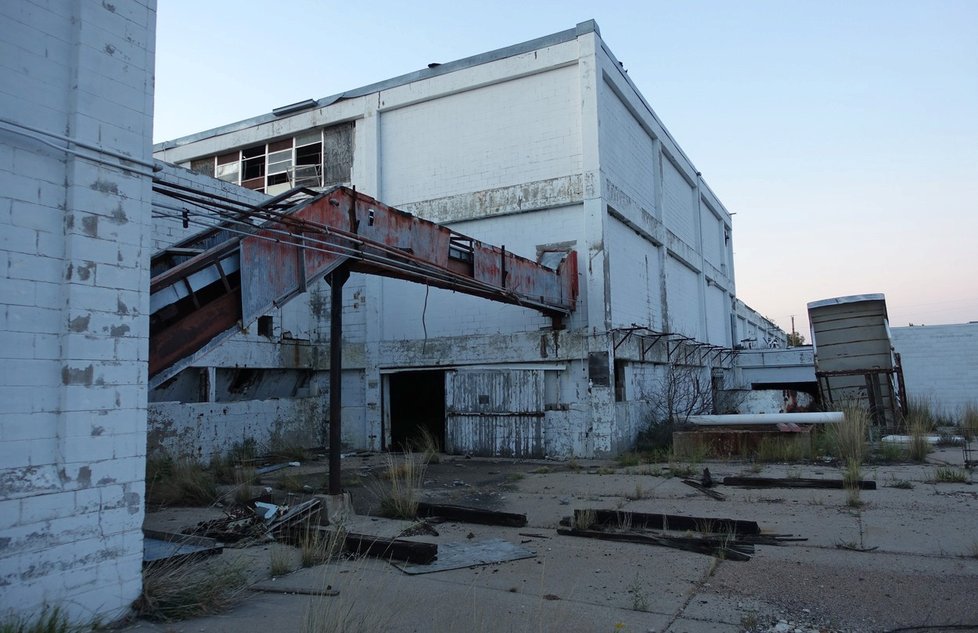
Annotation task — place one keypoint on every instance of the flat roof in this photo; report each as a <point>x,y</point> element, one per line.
<point>834,301</point>
<point>589,26</point>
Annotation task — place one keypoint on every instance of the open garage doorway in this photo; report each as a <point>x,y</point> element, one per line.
<point>416,405</point>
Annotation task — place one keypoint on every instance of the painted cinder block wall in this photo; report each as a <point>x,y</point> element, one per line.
<point>540,144</point>
<point>940,364</point>
<point>74,255</point>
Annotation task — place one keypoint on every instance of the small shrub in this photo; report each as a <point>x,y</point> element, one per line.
<point>640,598</point>
<point>514,477</point>
<point>287,450</point>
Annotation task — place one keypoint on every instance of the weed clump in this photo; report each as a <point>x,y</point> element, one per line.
<point>174,591</point>
<point>178,482</point>
<point>400,493</point>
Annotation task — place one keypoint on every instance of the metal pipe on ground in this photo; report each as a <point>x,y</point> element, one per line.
<point>744,419</point>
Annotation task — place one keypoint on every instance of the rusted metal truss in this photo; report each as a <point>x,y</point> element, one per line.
<point>261,257</point>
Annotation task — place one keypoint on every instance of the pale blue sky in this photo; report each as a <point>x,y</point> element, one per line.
<point>844,135</point>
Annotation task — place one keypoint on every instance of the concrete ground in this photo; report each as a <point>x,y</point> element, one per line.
<point>908,557</point>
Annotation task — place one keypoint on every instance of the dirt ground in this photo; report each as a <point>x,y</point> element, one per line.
<point>904,558</point>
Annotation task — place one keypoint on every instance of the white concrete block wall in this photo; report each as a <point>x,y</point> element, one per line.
<point>629,156</point>
<point>74,245</point>
<point>940,364</point>
<point>635,278</point>
<point>682,288</point>
<point>717,317</point>
<point>679,211</point>
<point>517,131</point>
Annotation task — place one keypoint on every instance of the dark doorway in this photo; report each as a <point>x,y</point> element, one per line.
<point>417,403</point>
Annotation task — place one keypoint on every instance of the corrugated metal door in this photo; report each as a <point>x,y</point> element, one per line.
<point>494,412</point>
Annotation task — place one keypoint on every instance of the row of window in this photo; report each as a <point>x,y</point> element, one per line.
<point>318,158</point>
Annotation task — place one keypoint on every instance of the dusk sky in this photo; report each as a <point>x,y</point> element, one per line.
<point>843,135</point>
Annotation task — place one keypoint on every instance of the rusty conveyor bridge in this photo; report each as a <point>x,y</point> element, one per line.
<point>208,286</point>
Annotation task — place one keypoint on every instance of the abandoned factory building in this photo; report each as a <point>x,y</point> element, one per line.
<point>544,148</point>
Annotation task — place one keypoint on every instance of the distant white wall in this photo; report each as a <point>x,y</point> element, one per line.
<point>940,363</point>
<point>74,249</point>
<point>517,131</point>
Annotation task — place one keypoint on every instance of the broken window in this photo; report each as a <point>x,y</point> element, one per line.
<point>228,167</point>
<point>313,159</point>
<point>253,167</point>
<point>203,166</point>
<point>619,380</point>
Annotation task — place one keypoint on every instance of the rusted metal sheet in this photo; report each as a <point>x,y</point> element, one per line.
<point>494,412</point>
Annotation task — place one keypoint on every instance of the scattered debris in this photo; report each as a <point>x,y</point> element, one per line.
<point>463,514</point>
<point>705,490</point>
<point>421,528</point>
<point>305,513</point>
<point>239,522</point>
<point>793,482</point>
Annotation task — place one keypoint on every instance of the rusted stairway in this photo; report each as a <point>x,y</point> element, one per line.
<point>224,278</point>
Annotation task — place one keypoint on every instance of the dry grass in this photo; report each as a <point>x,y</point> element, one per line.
<point>949,474</point>
<point>176,591</point>
<point>849,438</point>
<point>969,421</point>
<point>918,427</point>
<point>400,491</point>
<point>50,621</point>
<point>584,519</point>
<point>173,482</point>
<point>280,560</point>
<point>321,547</point>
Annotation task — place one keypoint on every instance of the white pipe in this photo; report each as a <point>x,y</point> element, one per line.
<point>957,440</point>
<point>739,419</point>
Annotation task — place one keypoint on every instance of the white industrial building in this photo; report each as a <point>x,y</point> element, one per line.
<point>544,147</point>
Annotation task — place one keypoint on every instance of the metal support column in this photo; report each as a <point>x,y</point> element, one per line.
<point>336,279</point>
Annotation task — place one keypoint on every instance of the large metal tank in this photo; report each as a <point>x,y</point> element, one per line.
<point>854,359</point>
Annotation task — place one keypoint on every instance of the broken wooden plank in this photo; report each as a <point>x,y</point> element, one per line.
<point>654,521</point>
<point>709,493</point>
<point>793,482</point>
<point>464,514</point>
<point>730,550</point>
<point>391,549</point>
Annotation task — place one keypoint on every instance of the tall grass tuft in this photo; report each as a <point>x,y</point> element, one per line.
<point>175,591</point>
<point>849,437</point>
<point>400,492</point>
<point>969,421</point>
<point>918,427</point>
